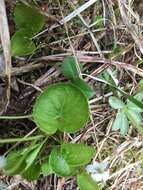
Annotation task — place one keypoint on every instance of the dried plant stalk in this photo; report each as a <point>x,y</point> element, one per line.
<point>5,41</point>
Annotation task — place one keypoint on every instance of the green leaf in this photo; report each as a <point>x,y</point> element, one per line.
<point>85,182</point>
<point>109,76</point>
<point>69,68</point>
<point>133,106</point>
<point>135,118</point>
<point>16,160</point>
<point>116,103</point>
<point>21,44</point>
<point>46,168</point>
<point>15,163</point>
<point>59,165</point>
<point>57,106</point>
<point>117,51</point>
<point>121,122</point>
<point>131,98</point>
<point>28,18</point>
<point>31,157</point>
<point>84,87</point>
<point>32,173</point>
<point>98,21</point>
<point>77,154</point>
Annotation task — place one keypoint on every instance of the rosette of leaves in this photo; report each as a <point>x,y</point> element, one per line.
<point>64,160</point>
<point>28,21</point>
<point>127,113</point>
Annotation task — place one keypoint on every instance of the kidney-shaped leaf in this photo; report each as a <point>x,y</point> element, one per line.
<point>59,165</point>
<point>85,182</point>
<point>28,18</point>
<point>63,107</point>
<point>77,154</point>
<point>21,44</point>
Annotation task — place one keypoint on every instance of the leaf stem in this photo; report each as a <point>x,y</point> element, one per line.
<point>13,140</point>
<point>15,117</point>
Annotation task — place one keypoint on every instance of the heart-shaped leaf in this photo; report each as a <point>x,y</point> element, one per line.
<point>121,122</point>
<point>85,182</point>
<point>59,165</point>
<point>28,18</point>
<point>84,87</point>
<point>57,106</point>
<point>21,44</point>
<point>116,103</point>
<point>77,154</point>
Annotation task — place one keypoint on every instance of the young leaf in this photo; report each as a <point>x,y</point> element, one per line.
<point>16,160</point>
<point>46,168</point>
<point>85,182</point>
<point>98,21</point>
<point>31,157</point>
<point>135,118</point>
<point>77,154</point>
<point>121,122</point>
<point>57,106</point>
<point>69,68</point>
<point>109,77</point>
<point>28,18</point>
<point>116,103</point>
<point>15,163</point>
<point>21,44</point>
<point>84,87</point>
<point>131,98</point>
<point>32,173</point>
<point>59,165</point>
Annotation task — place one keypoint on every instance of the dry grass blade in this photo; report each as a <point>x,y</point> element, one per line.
<point>131,28</point>
<point>78,11</point>
<point>5,40</point>
<point>94,59</point>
